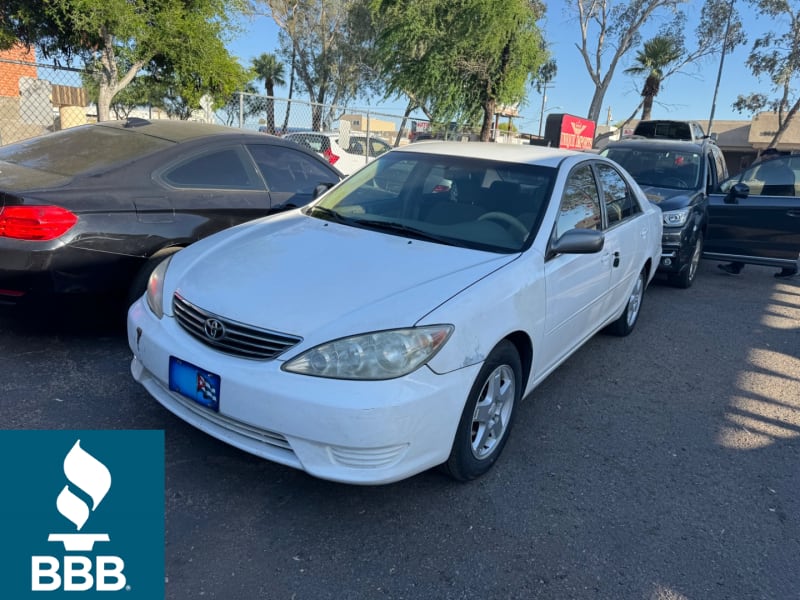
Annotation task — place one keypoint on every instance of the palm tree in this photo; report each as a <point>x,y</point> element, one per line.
<point>271,71</point>
<point>657,54</point>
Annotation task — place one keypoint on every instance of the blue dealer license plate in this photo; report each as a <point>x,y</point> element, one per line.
<point>195,383</point>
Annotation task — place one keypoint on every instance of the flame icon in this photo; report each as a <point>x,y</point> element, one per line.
<point>92,477</point>
<point>87,474</point>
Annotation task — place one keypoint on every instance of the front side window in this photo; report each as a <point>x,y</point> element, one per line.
<point>580,202</point>
<point>769,177</point>
<point>617,197</point>
<point>378,147</point>
<point>288,170</point>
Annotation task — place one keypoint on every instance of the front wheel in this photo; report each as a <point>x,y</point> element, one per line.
<point>686,277</point>
<point>487,416</point>
<point>627,320</point>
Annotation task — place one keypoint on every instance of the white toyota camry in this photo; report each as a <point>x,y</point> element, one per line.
<point>386,329</point>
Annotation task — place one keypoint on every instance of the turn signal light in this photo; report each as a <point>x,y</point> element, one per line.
<point>35,223</point>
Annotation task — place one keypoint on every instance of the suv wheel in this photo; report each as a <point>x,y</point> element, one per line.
<point>686,277</point>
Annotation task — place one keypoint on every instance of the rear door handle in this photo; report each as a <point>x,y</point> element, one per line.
<point>793,213</point>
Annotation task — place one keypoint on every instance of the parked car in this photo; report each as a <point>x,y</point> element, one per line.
<point>754,218</point>
<point>346,156</point>
<point>690,131</point>
<point>95,208</point>
<point>379,332</point>
<point>678,176</point>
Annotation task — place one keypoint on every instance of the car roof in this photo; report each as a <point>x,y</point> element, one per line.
<point>658,144</point>
<point>175,131</point>
<point>515,153</point>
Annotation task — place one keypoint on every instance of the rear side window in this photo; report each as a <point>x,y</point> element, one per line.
<point>81,149</point>
<point>224,169</point>
<point>317,143</point>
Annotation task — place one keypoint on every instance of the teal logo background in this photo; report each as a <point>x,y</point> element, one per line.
<point>131,513</point>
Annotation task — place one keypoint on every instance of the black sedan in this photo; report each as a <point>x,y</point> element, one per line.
<point>93,209</point>
<point>755,217</point>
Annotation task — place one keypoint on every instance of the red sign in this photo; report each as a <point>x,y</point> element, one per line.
<point>576,133</point>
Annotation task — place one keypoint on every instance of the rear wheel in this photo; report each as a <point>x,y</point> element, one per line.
<point>487,417</point>
<point>139,282</point>
<point>686,278</point>
<point>627,321</point>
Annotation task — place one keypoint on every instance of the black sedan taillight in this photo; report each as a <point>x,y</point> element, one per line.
<point>35,223</point>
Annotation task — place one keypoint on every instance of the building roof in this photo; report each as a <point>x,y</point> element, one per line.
<point>763,128</point>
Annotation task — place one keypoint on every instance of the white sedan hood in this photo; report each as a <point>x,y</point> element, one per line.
<point>320,280</point>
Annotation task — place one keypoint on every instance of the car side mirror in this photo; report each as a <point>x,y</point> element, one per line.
<point>321,189</point>
<point>739,190</point>
<point>579,241</point>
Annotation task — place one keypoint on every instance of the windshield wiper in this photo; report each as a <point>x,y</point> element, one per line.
<point>394,227</point>
<point>327,213</point>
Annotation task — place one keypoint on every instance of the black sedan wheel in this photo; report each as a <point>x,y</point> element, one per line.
<point>487,417</point>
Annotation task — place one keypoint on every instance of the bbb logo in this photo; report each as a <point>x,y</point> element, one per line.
<point>89,480</point>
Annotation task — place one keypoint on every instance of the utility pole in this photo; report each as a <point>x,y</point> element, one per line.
<point>721,63</point>
<point>541,113</point>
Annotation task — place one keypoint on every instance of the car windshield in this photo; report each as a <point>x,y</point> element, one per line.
<point>81,149</point>
<point>659,167</point>
<point>472,203</point>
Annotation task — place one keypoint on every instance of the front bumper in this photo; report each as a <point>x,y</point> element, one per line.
<point>362,432</point>
<point>677,246</point>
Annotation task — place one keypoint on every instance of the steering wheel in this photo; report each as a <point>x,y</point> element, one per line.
<point>675,182</point>
<point>506,219</point>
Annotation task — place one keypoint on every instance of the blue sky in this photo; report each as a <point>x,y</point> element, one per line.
<point>686,95</point>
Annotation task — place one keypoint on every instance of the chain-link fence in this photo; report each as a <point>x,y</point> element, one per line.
<point>281,115</point>
<point>36,99</point>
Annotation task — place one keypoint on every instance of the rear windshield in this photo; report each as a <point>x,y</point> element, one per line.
<point>664,129</point>
<point>80,149</point>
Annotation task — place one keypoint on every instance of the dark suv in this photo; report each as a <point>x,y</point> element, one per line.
<point>677,176</point>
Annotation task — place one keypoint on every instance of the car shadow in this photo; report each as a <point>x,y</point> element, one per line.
<point>85,316</point>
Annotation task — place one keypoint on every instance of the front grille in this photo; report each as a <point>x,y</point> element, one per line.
<point>233,337</point>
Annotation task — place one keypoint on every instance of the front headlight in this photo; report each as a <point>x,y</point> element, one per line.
<point>675,218</point>
<point>155,288</point>
<point>378,355</point>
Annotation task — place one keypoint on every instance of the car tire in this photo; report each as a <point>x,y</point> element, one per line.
<point>139,282</point>
<point>627,320</point>
<point>487,417</point>
<point>686,277</point>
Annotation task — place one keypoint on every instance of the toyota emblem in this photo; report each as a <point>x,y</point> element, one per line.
<point>214,329</point>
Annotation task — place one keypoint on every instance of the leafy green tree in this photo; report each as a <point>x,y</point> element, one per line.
<point>461,58</point>
<point>657,54</point>
<point>271,71</point>
<point>776,57</point>
<point>323,40</point>
<point>169,39</point>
